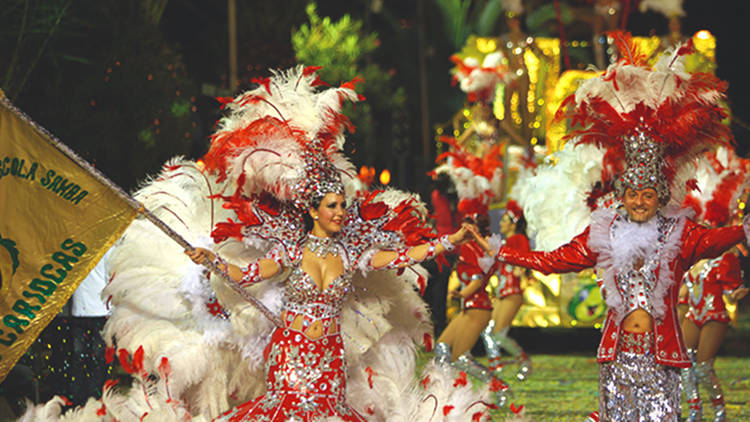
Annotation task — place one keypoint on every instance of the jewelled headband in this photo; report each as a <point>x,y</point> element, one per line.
<point>319,177</point>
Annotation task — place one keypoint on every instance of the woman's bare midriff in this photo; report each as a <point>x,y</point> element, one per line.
<point>315,331</point>
<point>638,321</point>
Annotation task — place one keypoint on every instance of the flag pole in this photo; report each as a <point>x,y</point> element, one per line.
<point>141,209</point>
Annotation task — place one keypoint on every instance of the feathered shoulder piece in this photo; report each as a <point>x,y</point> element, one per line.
<point>656,119</point>
<point>376,220</point>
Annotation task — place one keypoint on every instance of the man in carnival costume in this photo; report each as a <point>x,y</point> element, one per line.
<point>656,120</point>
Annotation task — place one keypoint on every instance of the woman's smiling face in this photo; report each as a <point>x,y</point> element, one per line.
<point>329,216</point>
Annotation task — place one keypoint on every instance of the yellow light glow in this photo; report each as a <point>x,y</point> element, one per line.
<point>385,177</point>
<point>534,297</point>
<point>705,43</point>
<point>492,283</point>
<point>439,131</point>
<point>534,140</point>
<point>574,322</point>
<point>486,45</point>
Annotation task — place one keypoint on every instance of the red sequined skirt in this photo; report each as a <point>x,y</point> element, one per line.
<point>478,300</point>
<point>508,283</point>
<point>306,381</point>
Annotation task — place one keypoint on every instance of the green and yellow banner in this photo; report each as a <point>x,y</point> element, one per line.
<point>57,219</point>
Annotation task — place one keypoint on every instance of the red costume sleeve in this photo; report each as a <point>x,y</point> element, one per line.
<point>729,272</point>
<point>574,256</point>
<point>700,242</point>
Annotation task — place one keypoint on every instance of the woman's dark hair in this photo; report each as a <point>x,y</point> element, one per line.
<point>482,221</point>
<point>521,226</point>
<point>315,203</point>
<point>443,184</point>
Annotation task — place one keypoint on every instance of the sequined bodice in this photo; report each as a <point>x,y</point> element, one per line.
<point>637,286</point>
<point>696,285</point>
<point>303,297</point>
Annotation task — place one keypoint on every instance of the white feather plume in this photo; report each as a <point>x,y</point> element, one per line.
<point>554,197</point>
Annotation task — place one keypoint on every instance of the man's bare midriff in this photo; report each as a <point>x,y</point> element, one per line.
<point>638,321</point>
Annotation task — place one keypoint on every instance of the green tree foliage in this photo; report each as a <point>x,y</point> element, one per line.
<point>462,18</point>
<point>102,78</point>
<point>345,52</point>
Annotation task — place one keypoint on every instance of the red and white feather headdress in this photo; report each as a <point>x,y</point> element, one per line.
<point>477,179</point>
<point>284,138</point>
<point>655,119</point>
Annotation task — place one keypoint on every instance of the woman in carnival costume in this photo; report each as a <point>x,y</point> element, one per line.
<point>656,120</point>
<point>721,176</point>
<point>345,347</point>
<point>509,295</point>
<point>305,360</point>
<point>476,180</point>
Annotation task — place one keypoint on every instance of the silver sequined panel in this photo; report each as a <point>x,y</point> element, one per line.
<point>633,388</point>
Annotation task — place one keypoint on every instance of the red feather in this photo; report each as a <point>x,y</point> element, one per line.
<point>109,354</point>
<point>427,341</point>
<point>461,380</point>
<point>266,82</point>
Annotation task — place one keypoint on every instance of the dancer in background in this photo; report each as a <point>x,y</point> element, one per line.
<point>455,342</point>
<point>509,296</point>
<point>705,325</point>
<point>720,178</point>
<point>477,179</point>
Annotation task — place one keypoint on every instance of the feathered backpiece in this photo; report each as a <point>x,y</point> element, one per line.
<point>655,119</point>
<point>477,179</point>
<point>721,177</point>
<point>284,138</point>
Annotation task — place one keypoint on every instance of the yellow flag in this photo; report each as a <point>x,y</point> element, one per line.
<point>57,220</point>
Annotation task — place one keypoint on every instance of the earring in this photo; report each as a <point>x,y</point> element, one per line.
<point>315,218</point>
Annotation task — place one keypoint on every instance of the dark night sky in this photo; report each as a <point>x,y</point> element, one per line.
<point>728,21</point>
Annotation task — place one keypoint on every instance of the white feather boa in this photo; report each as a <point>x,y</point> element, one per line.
<point>620,243</point>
